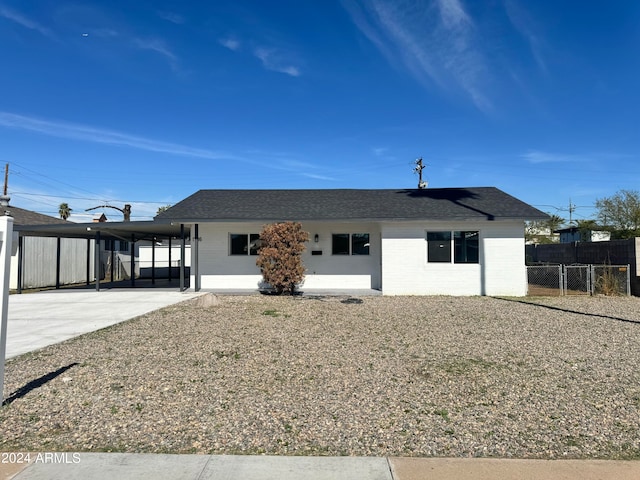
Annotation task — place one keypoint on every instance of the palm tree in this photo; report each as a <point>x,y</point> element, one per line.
<point>554,223</point>
<point>64,211</point>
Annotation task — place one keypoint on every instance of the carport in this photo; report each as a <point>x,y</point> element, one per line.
<point>126,231</point>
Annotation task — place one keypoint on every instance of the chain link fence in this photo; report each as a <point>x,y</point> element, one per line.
<point>544,280</point>
<point>610,280</point>
<point>577,279</point>
<point>557,280</point>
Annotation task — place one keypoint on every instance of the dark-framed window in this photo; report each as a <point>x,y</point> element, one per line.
<point>243,243</point>
<point>439,247</point>
<point>350,244</point>
<point>340,244</point>
<point>360,244</point>
<point>465,246</point>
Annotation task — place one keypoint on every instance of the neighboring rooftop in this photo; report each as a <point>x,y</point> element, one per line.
<point>475,203</point>
<point>27,217</point>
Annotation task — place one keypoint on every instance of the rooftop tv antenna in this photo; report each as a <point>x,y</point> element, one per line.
<point>422,184</point>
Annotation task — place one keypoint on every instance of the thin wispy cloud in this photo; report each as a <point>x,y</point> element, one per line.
<point>379,151</point>
<point>230,43</point>
<point>286,162</point>
<point>594,158</point>
<point>172,17</point>
<point>319,177</point>
<point>155,45</point>
<point>158,46</point>
<point>435,41</point>
<point>74,131</point>
<point>535,156</point>
<point>274,60</point>
<point>524,25</point>
<point>24,21</point>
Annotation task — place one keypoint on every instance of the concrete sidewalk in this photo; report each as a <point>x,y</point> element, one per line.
<point>37,320</point>
<point>124,466</point>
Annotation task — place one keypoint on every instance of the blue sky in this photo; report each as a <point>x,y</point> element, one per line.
<point>146,102</point>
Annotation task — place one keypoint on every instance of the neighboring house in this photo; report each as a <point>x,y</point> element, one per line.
<point>577,234</point>
<point>448,241</point>
<point>536,234</point>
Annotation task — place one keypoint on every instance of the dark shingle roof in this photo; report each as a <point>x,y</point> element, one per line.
<point>479,203</point>
<point>27,217</point>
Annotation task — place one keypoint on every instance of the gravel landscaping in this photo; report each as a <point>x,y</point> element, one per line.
<point>384,376</point>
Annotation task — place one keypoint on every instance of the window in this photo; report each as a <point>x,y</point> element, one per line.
<point>350,244</point>
<point>465,247</point>
<point>439,247</point>
<point>340,244</point>
<point>360,244</point>
<point>244,243</point>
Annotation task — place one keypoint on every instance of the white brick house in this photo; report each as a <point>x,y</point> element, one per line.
<point>452,241</point>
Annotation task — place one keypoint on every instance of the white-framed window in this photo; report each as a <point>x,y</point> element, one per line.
<point>463,246</point>
<point>243,243</point>
<point>350,244</point>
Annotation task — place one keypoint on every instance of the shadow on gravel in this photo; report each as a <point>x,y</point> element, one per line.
<point>37,383</point>
<point>549,307</point>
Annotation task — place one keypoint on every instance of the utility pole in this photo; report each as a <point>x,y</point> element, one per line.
<point>6,180</point>
<point>572,208</point>
<point>419,167</point>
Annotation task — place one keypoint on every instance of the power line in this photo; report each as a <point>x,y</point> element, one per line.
<point>93,199</point>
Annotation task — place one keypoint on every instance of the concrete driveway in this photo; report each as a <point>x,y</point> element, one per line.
<point>44,318</point>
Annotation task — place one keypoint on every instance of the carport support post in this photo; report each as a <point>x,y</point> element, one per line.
<point>20,262</point>
<point>88,261</point>
<point>58,240</point>
<point>133,260</point>
<point>153,261</point>
<point>96,261</point>
<point>195,241</point>
<point>169,258</point>
<point>6,237</point>
<point>182,249</point>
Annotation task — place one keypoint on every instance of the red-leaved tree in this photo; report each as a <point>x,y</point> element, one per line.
<point>279,257</point>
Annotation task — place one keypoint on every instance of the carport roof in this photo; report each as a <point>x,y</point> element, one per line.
<point>122,230</point>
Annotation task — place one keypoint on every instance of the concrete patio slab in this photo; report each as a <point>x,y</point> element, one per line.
<point>37,320</point>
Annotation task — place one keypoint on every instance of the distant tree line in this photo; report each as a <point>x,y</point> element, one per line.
<point>618,214</point>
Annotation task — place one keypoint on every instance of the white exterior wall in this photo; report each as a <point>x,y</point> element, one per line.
<point>220,270</point>
<point>145,254</point>
<point>502,254</point>
<point>397,262</point>
<point>501,271</point>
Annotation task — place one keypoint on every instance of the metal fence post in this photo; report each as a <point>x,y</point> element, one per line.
<point>562,279</point>
<point>628,280</point>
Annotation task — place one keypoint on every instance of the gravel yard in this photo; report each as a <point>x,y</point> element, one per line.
<point>424,376</point>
